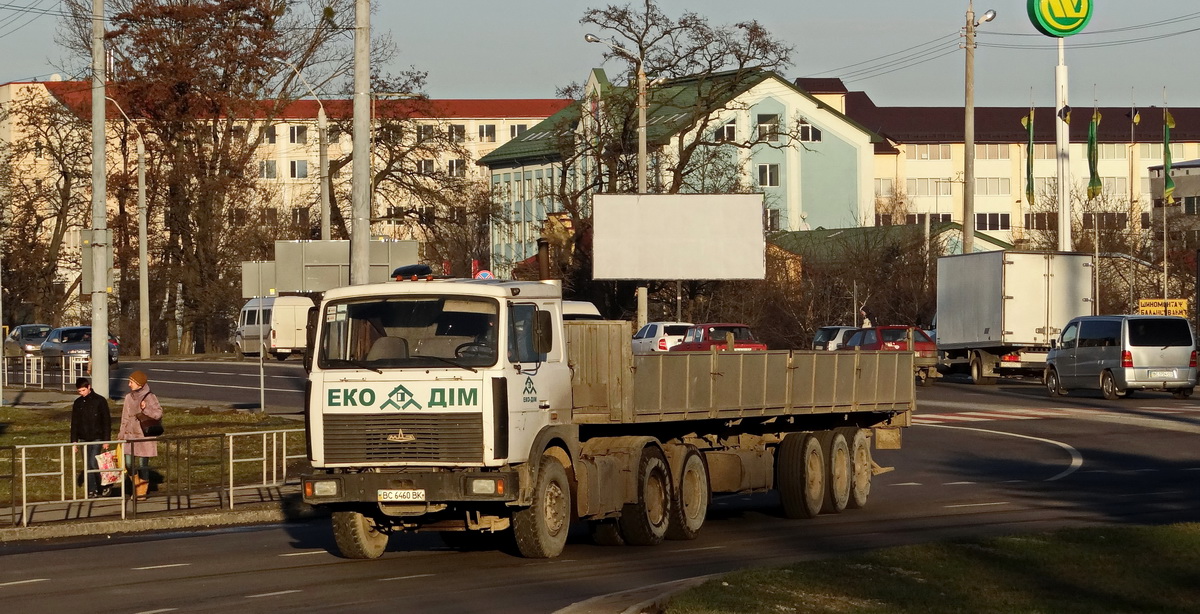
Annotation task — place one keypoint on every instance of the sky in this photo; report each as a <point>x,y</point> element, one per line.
<point>901,52</point>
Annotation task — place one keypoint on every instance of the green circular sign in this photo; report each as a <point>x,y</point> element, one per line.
<point>1060,18</point>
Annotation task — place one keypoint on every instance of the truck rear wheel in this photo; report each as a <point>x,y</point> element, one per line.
<point>358,536</point>
<point>977,376</point>
<point>838,466</point>
<point>541,529</point>
<point>605,532</point>
<point>801,475</point>
<point>645,523</point>
<point>689,505</point>
<point>861,467</point>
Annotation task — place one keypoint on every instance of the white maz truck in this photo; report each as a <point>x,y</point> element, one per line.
<point>997,311</point>
<point>471,407</point>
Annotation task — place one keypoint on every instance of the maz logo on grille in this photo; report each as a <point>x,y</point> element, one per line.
<point>401,437</point>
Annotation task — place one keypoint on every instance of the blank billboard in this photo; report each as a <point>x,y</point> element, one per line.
<point>678,236</point>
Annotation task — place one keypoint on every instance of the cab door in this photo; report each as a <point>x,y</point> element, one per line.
<point>538,382</point>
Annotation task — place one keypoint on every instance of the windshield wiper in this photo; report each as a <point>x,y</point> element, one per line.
<point>452,363</point>
<point>361,365</point>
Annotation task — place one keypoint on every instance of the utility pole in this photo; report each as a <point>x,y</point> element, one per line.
<point>100,242</point>
<point>968,223</point>
<point>360,230</point>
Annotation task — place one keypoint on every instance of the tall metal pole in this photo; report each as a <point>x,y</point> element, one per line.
<point>322,146</point>
<point>143,266</point>
<point>968,222</point>
<point>360,230</point>
<point>1062,140</point>
<point>100,243</point>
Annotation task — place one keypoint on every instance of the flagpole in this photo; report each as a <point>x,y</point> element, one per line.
<point>1063,142</point>
<point>1166,194</point>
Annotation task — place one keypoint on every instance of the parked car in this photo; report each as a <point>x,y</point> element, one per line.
<point>1119,354</point>
<point>25,340</point>
<point>831,337</point>
<point>895,339</point>
<point>73,341</point>
<point>659,336</point>
<point>703,337</point>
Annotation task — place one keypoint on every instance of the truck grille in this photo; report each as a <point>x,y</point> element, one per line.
<point>439,438</point>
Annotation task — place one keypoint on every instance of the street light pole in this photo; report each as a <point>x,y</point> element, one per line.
<point>100,244</point>
<point>360,230</point>
<point>143,266</point>
<point>968,224</point>
<point>322,146</point>
<point>641,104</point>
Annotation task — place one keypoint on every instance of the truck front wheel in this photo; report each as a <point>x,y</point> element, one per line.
<point>358,536</point>
<point>644,523</point>
<point>541,529</point>
<point>801,475</point>
<point>689,506</point>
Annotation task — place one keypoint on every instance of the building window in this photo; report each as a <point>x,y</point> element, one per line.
<point>37,149</point>
<point>771,219</point>
<point>299,169</point>
<point>1041,221</point>
<point>300,217</point>
<point>883,219</point>
<point>1045,151</point>
<point>927,152</point>
<point>1117,186</point>
<point>768,175</point>
<point>1191,204</point>
<point>809,133</point>
<point>991,221</point>
<point>934,218</point>
<point>992,186</point>
<point>425,167</point>
<point>487,133</point>
<point>928,186</point>
<point>456,168</point>
<point>426,132</point>
<point>1154,151</point>
<point>237,216</point>
<point>1108,221</point>
<point>1045,186</point>
<point>1146,220</point>
<point>269,134</point>
<point>1112,151</point>
<point>991,151</point>
<point>267,169</point>
<point>516,130</point>
<point>458,133</point>
<point>884,188</point>
<point>726,133</point>
<point>298,135</point>
<point>768,127</point>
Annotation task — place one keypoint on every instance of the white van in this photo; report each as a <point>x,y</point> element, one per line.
<point>284,321</point>
<point>1121,353</point>
<point>580,310</point>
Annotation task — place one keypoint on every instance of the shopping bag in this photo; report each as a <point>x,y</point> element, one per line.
<point>110,472</point>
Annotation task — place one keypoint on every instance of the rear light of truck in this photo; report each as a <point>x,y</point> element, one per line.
<point>1127,359</point>
<point>1192,360</point>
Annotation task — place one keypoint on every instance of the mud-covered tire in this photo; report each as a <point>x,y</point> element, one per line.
<point>838,471</point>
<point>644,523</point>
<point>800,475</point>
<point>1182,393</point>
<point>358,536</point>
<point>689,505</point>
<point>862,469</point>
<point>1053,384</point>
<point>605,532</point>
<point>976,372</point>
<point>540,530</point>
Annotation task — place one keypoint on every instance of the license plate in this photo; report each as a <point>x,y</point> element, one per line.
<point>1162,373</point>
<point>409,494</point>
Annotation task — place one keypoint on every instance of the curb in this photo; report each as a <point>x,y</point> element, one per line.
<point>653,598</point>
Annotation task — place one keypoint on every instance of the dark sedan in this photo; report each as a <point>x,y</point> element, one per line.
<point>73,341</point>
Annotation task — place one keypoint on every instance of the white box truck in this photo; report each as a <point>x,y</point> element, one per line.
<point>997,311</point>
<point>471,407</point>
<point>277,323</point>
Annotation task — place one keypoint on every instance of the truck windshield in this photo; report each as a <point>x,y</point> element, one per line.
<point>408,332</point>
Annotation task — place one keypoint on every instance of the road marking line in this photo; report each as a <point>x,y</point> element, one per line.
<point>161,566</point>
<point>907,484</point>
<point>16,582</point>
<point>699,549</point>
<point>963,417</point>
<point>1039,412</point>
<point>1004,415</point>
<point>978,504</point>
<point>1076,457</point>
<point>304,553</point>
<point>956,483</point>
<point>158,611</point>
<point>161,382</point>
<point>420,575</point>
<point>276,593</point>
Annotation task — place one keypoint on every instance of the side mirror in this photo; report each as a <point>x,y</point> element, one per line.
<point>1053,343</point>
<point>310,338</point>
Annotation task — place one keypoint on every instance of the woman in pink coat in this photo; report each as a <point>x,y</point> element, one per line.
<point>139,401</point>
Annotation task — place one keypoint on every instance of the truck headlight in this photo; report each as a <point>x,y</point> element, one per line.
<point>321,488</point>
<point>487,486</point>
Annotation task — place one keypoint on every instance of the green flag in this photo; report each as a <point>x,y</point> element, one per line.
<point>1168,182</point>
<point>1027,121</point>
<point>1093,152</point>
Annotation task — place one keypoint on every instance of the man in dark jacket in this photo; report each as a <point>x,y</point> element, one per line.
<point>90,421</point>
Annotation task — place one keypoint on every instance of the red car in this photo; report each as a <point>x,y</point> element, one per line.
<point>703,337</point>
<point>895,339</point>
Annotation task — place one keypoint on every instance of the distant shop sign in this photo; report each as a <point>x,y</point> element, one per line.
<point>1060,18</point>
<point>1155,307</point>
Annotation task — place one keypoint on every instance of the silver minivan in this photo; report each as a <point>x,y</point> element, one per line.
<point>1121,353</point>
